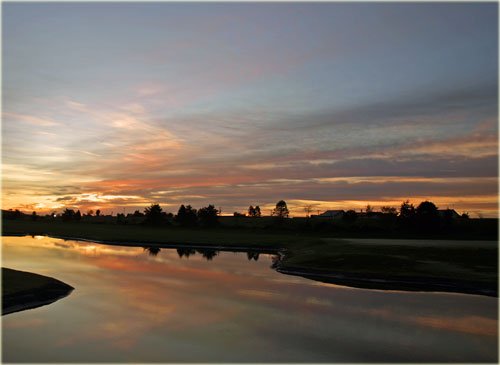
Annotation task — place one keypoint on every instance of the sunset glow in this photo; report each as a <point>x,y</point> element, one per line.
<point>116,106</point>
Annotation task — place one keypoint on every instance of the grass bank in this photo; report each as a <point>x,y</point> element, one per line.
<point>470,267</point>
<point>23,290</point>
<point>149,235</point>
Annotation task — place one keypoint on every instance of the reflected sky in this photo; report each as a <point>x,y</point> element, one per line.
<point>131,306</point>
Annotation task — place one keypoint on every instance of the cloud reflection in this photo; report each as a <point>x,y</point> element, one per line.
<point>128,300</point>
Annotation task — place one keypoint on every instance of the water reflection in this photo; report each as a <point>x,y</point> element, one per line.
<point>253,255</point>
<point>152,251</point>
<point>131,308</point>
<point>208,253</point>
<point>276,261</point>
<point>185,252</point>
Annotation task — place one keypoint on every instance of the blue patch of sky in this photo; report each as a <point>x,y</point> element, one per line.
<point>354,54</point>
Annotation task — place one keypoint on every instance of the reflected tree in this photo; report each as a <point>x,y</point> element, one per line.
<point>152,251</point>
<point>253,255</point>
<point>185,252</point>
<point>208,253</point>
<point>276,261</point>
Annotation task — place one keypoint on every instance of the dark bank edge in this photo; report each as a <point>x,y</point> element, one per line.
<point>35,297</point>
<point>380,282</point>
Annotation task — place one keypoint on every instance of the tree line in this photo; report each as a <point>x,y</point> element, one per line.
<point>188,216</point>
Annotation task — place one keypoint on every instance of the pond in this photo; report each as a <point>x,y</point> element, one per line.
<point>131,304</point>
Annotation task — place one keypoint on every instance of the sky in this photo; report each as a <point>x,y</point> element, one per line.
<point>115,106</point>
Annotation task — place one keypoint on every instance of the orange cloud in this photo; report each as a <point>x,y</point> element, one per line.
<point>31,119</point>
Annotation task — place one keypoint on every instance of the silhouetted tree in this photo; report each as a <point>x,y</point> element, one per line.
<point>254,211</point>
<point>427,216</point>
<point>186,216</point>
<point>406,210</point>
<point>208,216</point>
<point>154,215</point>
<point>78,216</point>
<point>369,209</point>
<point>90,212</point>
<point>281,210</point>
<point>138,214</point>
<point>97,212</point>
<point>427,209</point>
<point>181,214</point>
<point>389,210</point>
<point>237,214</point>
<point>12,214</point>
<point>34,216</point>
<point>350,216</point>
<point>120,218</point>
<point>68,215</point>
<point>308,210</point>
<point>465,215</point>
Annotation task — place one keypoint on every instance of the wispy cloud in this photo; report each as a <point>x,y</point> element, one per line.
<point>250,104</point>
<point>29,119</point>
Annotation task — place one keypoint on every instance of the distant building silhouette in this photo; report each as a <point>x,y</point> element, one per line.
<point>448,213</point>
<point>333,214</point>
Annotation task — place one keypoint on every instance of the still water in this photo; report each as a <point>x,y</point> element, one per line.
<point>130,305</point>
